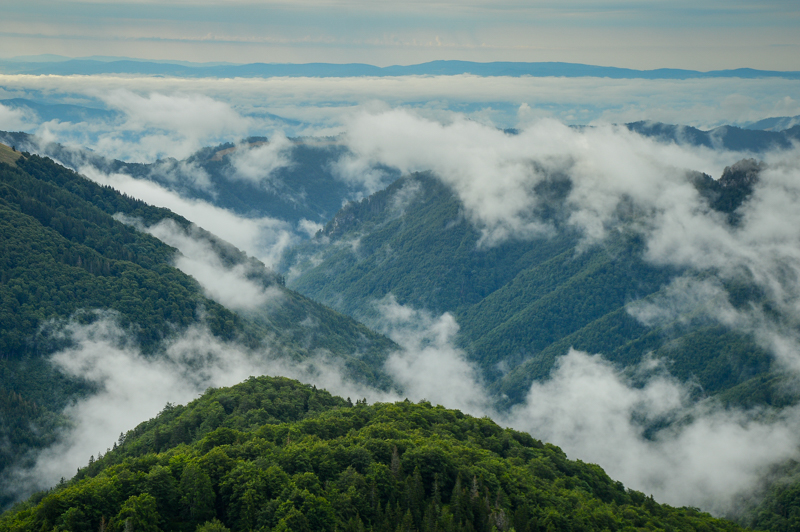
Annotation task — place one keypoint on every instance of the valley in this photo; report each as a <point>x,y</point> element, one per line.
<point>404,284</point>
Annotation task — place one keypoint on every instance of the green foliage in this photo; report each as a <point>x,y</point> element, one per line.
<point>521,304</point>
<point>321,464</point>
<point>64,256</point>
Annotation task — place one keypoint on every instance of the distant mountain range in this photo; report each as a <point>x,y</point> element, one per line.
<point>91,66</point>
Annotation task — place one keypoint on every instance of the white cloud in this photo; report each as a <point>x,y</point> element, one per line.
<point>231,286</point>
<point>708,457</point>
<point>326,103</point>
<point>133,387</point>
<point>429,366</point>
<point>168,125</point>
<point>309,227</point>
<point>257,163</point>
<point>264,238</point>
<point>15,119</point>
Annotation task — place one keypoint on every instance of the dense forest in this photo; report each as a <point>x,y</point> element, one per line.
<point>274,454</point>
<point>522,304</point>
<point>65,257</point>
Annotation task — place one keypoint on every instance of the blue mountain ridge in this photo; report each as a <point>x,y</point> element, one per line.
<point>324,70</point>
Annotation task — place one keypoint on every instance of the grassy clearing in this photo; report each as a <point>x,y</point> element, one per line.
<point>7,155</point>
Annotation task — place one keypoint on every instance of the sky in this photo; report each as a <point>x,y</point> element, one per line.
<point>708,35</point>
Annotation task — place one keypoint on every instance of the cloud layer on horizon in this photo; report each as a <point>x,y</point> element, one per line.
<point>163,117</point>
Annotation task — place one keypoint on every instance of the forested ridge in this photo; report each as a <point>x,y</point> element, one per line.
<point>64,258</point>
<point>304,188</point>
<point>274,454</point>
<point>520,304</point>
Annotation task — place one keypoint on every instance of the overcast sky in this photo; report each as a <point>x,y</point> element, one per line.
<point>643,34</point>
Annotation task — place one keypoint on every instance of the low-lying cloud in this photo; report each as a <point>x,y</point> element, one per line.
<point>707,456</point>
<point>710,457</point>
<point>257,163</point>
<point>264,238</point>
<point>133,387</point>
<point>234,286</point>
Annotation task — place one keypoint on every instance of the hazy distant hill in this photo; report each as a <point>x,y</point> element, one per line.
<point>751,139</point>
<point>443,68</point>
<point>305,188</point>
<point>778,123</point>
<point>61,112</point>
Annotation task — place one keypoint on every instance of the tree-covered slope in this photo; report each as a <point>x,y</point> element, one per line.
<point>519,304</point>
<point>64,256</point>
<point>302,186</point>
<point>273,454</point>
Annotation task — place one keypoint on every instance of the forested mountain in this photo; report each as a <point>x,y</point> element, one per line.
<point>300,181</point>
<point>64,256</point>
<point>523,303</point>
<point>303,186</point>
<point>273,454</point>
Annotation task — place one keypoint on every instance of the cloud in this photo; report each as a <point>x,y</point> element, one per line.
<point>132,387</point>
<point>15,119</point>
<point>324,105</point>
<point>257,163</point>
<point>264,238</point>
<point>173,125</point>
<point>429,366</point>
<point>182,173</point>
<point>309,227</point>
<point>495,175</point>
<point>620,182</point>
<point>234,286</point>
<point>707,457</point>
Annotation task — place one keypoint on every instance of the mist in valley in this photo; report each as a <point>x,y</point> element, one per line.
<point>702,453</point>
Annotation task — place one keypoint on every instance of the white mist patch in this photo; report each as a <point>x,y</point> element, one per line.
<point>174,125</point>
<point>183,172</point>
<point>227,285</point>
<point>495,174</point>
<point>257,163</point>
<point>326,102</point>
<point>133,388</point>
<point>15,119</point>
<point>430,366</point>
<point>264,238</point>
<point>707,457</point>
<point>309,227</point>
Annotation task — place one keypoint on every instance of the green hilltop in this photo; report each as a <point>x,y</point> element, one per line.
<point>274,454</point>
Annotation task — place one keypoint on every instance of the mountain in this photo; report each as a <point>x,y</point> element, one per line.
<point>273,454</point>
<point>751,139</point>
<point>303,186</point>
<point>89,66</point>
<point>68,258</point>
<point>778,123</point>
<point>523,303</point>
